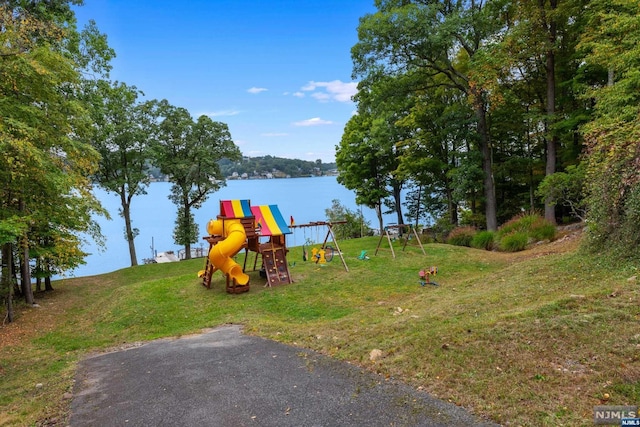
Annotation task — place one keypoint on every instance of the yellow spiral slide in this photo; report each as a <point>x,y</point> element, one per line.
<point>221,254</point>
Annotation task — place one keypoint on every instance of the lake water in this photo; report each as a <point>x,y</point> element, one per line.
<point>154,216</point>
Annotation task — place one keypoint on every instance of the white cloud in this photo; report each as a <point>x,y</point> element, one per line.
<point>255,90</point>
<point>316,121</point>
<point>309,86</point>
<point>334,90</point>
<point>298,94</point>
<point>321,96</point>
<point>221,113</point>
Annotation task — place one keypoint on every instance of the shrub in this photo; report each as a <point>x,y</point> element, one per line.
<point>461,236</point>
<point>441,229</point>
<point>514,242</point>
<point>483,240</point>
<point>520,222</point>
<point>355,226</point>
<point>534,225</point>
<point>515,234</point>
<point>541,229</point>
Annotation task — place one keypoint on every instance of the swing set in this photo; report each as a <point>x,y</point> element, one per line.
<point>410,234</point>
<point>325,253</point>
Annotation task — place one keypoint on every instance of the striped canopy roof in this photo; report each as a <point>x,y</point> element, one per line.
<point>267,217</point>
<point>269,220</point>
<point>235,208</point>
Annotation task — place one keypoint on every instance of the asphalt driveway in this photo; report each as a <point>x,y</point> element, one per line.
<point>224,378</point>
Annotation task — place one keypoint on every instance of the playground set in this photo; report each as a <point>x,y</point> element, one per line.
<point>410,235</point>
<point>325,252</point>
<point>242,226</point>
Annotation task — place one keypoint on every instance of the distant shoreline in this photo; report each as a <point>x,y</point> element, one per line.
<point>261,178</point>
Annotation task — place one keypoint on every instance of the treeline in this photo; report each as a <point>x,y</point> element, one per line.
<point>278,167</point>
<point>493,108</point>
<point>65,127</point>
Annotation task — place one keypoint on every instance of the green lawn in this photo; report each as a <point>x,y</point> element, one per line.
<point>532,338</point>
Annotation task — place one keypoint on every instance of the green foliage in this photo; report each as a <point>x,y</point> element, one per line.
<point>461,236</point>
<point>186,228</point>
<point>259,167</point>
<point>45,190</point>
<point>612,147</point>
<point>356,225</point>
<point>423,205</point>
<point>518,232</point>
<point>483,240</point>
<point>365,161</point>
<point>542,230</point>
<point>471,218</point>
<point>122,136</point>
<point>188,152</point>
<point>513,241</point>
<point>567,189</point>
<point>532,224</point>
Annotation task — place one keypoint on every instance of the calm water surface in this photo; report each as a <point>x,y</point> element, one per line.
<point>154,216</point>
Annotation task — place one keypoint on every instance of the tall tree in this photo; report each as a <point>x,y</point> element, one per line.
<point>441,38</point>
<point>382,102</point>
<point>44,168</point>
<point>188,152</point>
<point>539,46</point>
<point>361,168</point>
<point>122,135</point>
<point>441,132</point>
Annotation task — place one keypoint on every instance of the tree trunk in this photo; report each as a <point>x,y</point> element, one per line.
<point>27,290</point>
<point>491,204</point>
<point>25,271</point>
<point>126,214</point>
<point>187,219</point>
<point>6,279</point>
<point>453,209</point>
<point>552,139</point>
<point>451,205</point>
<point>47,284</point>
<point>397,201</point>
<point>418,206</point>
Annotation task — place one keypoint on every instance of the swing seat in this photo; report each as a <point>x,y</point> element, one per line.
<point>363,255</point>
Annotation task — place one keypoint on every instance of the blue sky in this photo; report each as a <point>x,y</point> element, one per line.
<point>277,72</point>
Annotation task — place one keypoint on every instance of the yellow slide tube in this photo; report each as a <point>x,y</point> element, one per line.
<point>220,255</point>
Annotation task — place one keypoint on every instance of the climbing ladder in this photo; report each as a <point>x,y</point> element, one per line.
<point>209,268</point>
<point>274,261</point>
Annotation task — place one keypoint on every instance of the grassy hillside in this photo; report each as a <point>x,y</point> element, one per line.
<point>533,338</point>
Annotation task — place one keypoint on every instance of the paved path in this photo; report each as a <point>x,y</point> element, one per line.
<point>224,378</point>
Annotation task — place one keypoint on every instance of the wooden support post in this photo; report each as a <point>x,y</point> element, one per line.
<point>415,233</point>
<point>386,232</point>
<point>402,227</point>
<point>335,242</point>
